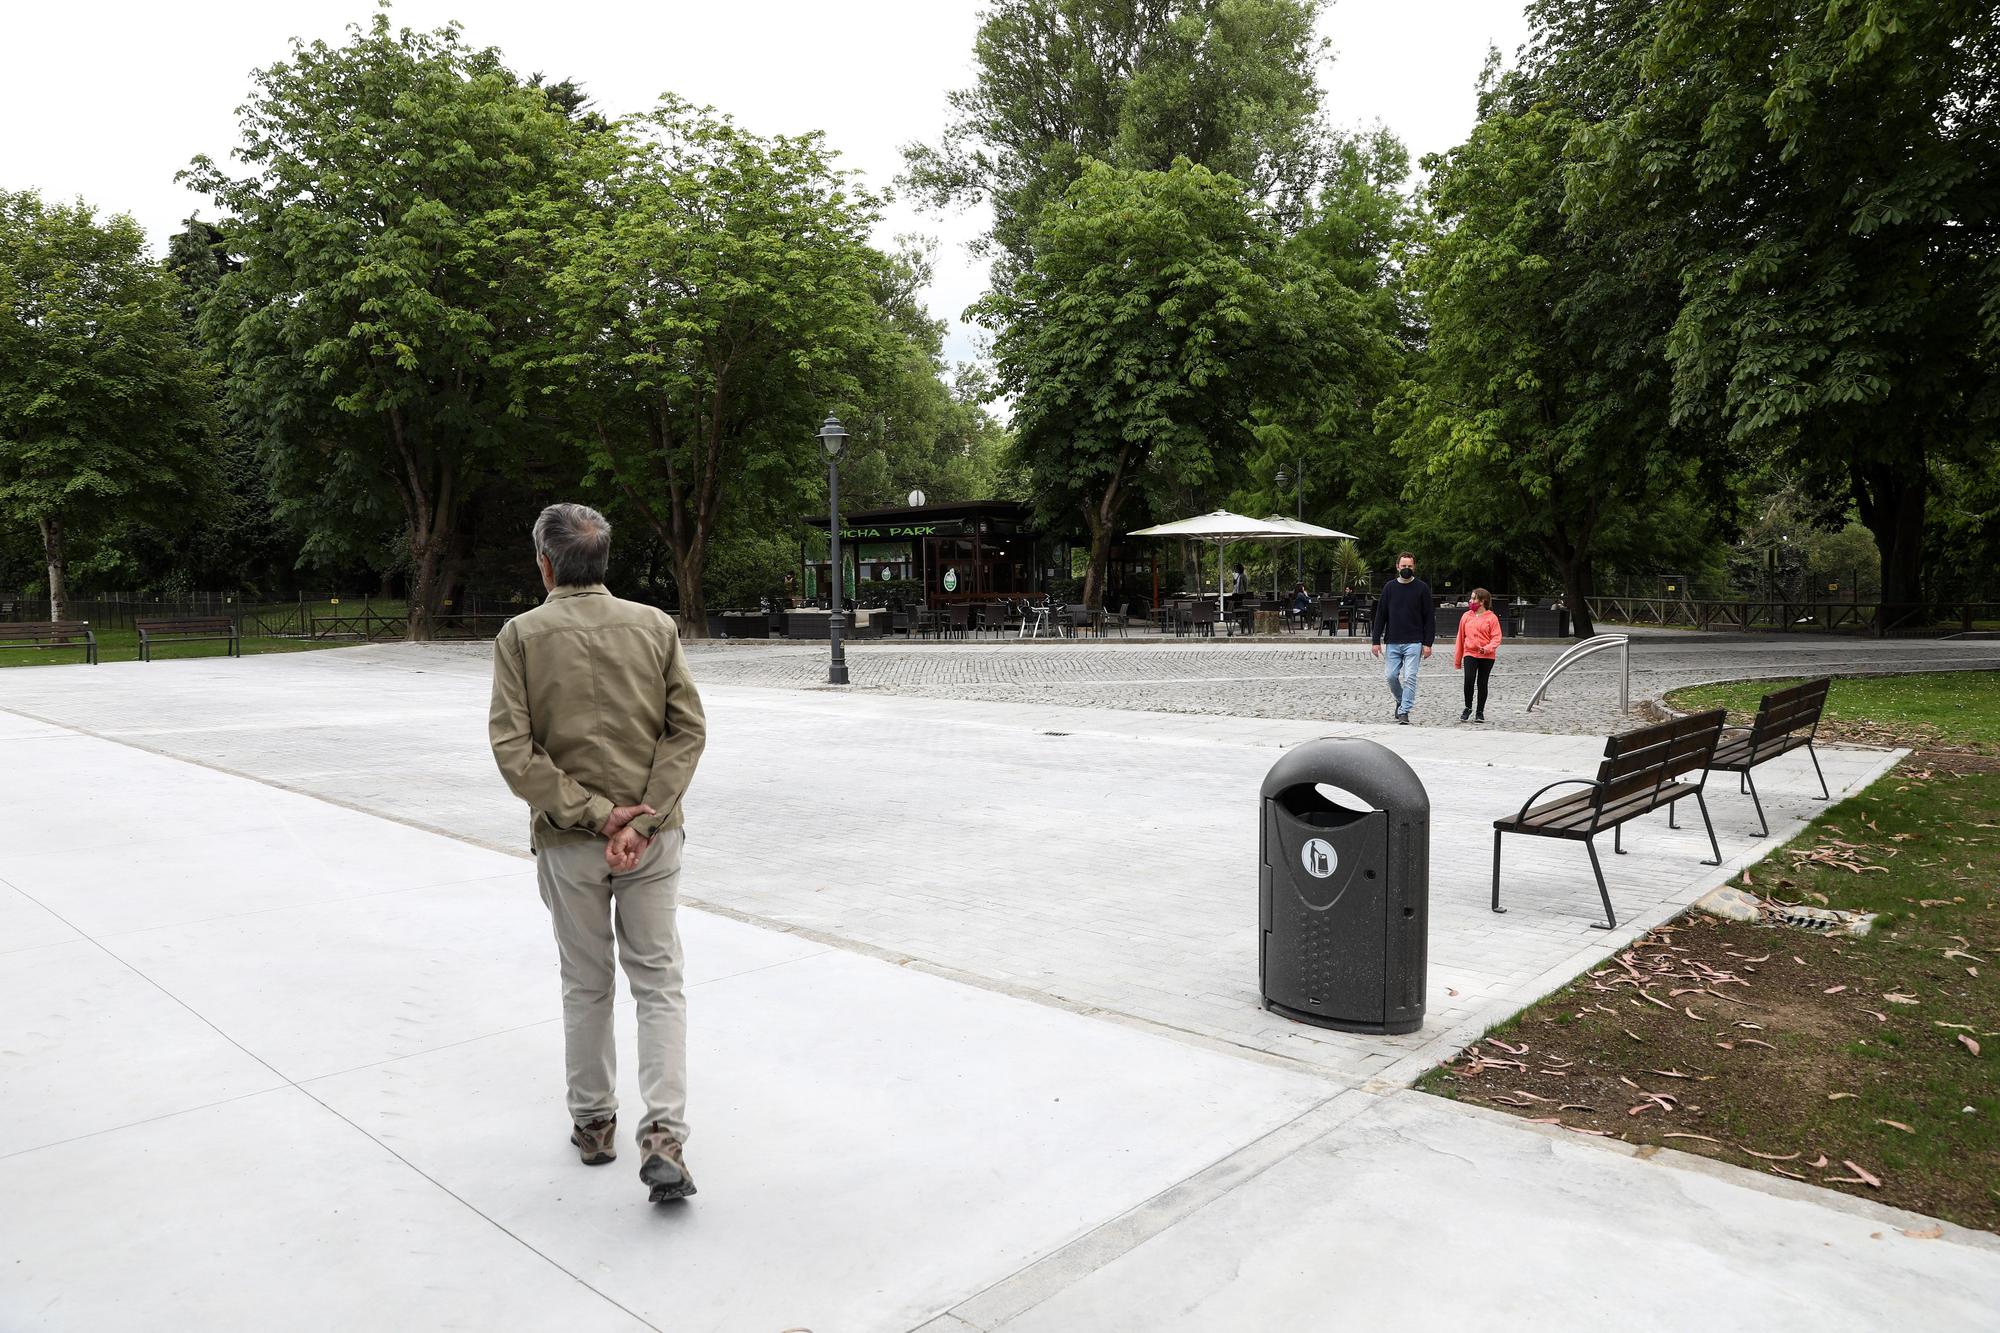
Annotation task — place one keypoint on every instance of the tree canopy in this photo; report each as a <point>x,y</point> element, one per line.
<point>106,411</point>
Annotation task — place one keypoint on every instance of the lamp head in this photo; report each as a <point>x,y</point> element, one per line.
<point>1284,477</point>
<point>833,438</point>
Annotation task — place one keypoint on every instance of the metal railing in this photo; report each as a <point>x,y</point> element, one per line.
<point>1577,652</point>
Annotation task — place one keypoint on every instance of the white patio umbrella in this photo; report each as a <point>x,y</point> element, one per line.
<point>1305,531</point>
<point>1219,528</point>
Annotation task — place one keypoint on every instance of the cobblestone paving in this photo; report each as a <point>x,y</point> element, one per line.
<point>1318,679</point>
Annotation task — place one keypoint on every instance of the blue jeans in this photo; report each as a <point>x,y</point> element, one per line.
<point>1400,661</point>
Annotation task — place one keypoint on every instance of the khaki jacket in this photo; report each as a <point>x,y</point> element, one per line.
<point>593,708</point>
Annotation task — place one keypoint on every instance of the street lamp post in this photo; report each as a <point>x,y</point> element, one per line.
<point>833,441</point>
<point>1296,477</point>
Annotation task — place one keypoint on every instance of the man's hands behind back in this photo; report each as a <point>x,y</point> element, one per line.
<point>623,847</point>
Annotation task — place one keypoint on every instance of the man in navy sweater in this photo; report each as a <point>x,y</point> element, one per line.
<point>1406,620</point>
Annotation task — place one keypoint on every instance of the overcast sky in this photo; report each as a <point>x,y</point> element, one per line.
<point>107,100</point>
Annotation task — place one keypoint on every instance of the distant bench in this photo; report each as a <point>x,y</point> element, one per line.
<point>1786,720</point>
<point>45,634</point>
<point>1641,771</point>
<point>197,629</point>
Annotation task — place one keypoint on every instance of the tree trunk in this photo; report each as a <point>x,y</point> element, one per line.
<point>688,566</point>
<point>426,587</point>
<point>52,547</point>
<point>1102,519</point>
<point>1892,499</point>
<point>1100,560</point>
<point>1577,588</point>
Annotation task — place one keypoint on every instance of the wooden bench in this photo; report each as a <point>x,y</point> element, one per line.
<point>194,629</point>
<point>45,634</point>
<point>1641,771</point>
<point>1786,720</point>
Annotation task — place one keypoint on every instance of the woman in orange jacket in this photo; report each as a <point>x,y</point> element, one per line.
<point>1478,644</point>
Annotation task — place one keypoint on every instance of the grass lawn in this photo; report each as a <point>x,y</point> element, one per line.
<point>1867,1065</point>
<point>122,645</point>
<point>1955,709</point>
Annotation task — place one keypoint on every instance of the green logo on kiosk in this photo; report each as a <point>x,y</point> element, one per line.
<point>951,580</point>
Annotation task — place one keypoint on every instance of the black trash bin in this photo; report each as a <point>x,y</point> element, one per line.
<point>1344,888</point>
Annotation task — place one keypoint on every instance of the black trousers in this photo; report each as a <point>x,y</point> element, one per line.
<point>1477,669</point>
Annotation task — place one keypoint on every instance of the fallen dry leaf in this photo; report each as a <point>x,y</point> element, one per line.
<point>1867,1177</point>
<point>1695,1016</point>
<point>1511,1050</point>
<point>1752,1041</point>
<point>1932,1232</point>
<point>1837,1096</point>
<point>1777,1156</point>
<point>1896,1124</point>
<point>1970,1044</point>
<point>1833,990</point>
<point>1781,1171</point>
<point>1703,1137</point>
<point>1817,1162</point>
<point>1897,997</point>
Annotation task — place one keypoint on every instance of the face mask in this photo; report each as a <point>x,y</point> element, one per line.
<point>1405,575</point>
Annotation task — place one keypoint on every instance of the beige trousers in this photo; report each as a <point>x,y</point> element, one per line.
<point>587,903</point>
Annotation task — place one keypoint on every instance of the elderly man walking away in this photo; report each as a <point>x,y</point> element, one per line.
<point>597,726</point>
<point>1405,620</point>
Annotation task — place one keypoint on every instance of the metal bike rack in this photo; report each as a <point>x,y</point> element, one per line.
<point>1577,652</point>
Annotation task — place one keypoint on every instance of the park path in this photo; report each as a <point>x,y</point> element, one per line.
<point>976,1043</point>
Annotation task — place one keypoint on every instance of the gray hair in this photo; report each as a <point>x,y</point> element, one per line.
<point>577,541</point>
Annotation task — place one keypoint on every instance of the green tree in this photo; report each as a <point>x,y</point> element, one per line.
<point>1158,309</point>
<point>106,412</point>
<point>1540,413</point>
<point>1325,430</point>
<point>1227,84</point>
<point>393,271</point>
<point>715,303</point>
<point>1835,238</point>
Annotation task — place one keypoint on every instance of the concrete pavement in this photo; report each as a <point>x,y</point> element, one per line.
<point>976,1042</point>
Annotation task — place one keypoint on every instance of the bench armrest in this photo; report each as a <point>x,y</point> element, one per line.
<point>1562,782</point>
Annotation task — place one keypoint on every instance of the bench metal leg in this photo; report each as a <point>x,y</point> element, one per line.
<point>1610,921</point>
<point>1496,872</point>
<point>1673,809</point>
<point>1813,754</point>
<point>1709,824</point>
<point>1618,839</point>
<point>1763,825</point>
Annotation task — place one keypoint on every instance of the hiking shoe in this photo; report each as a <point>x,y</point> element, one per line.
<point>596,1142</point>
<point>661,1166</point>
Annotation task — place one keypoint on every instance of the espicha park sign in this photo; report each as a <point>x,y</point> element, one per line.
<point>895,532</point>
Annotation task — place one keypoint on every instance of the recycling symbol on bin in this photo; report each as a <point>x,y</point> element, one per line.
<point>1319,858</point>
